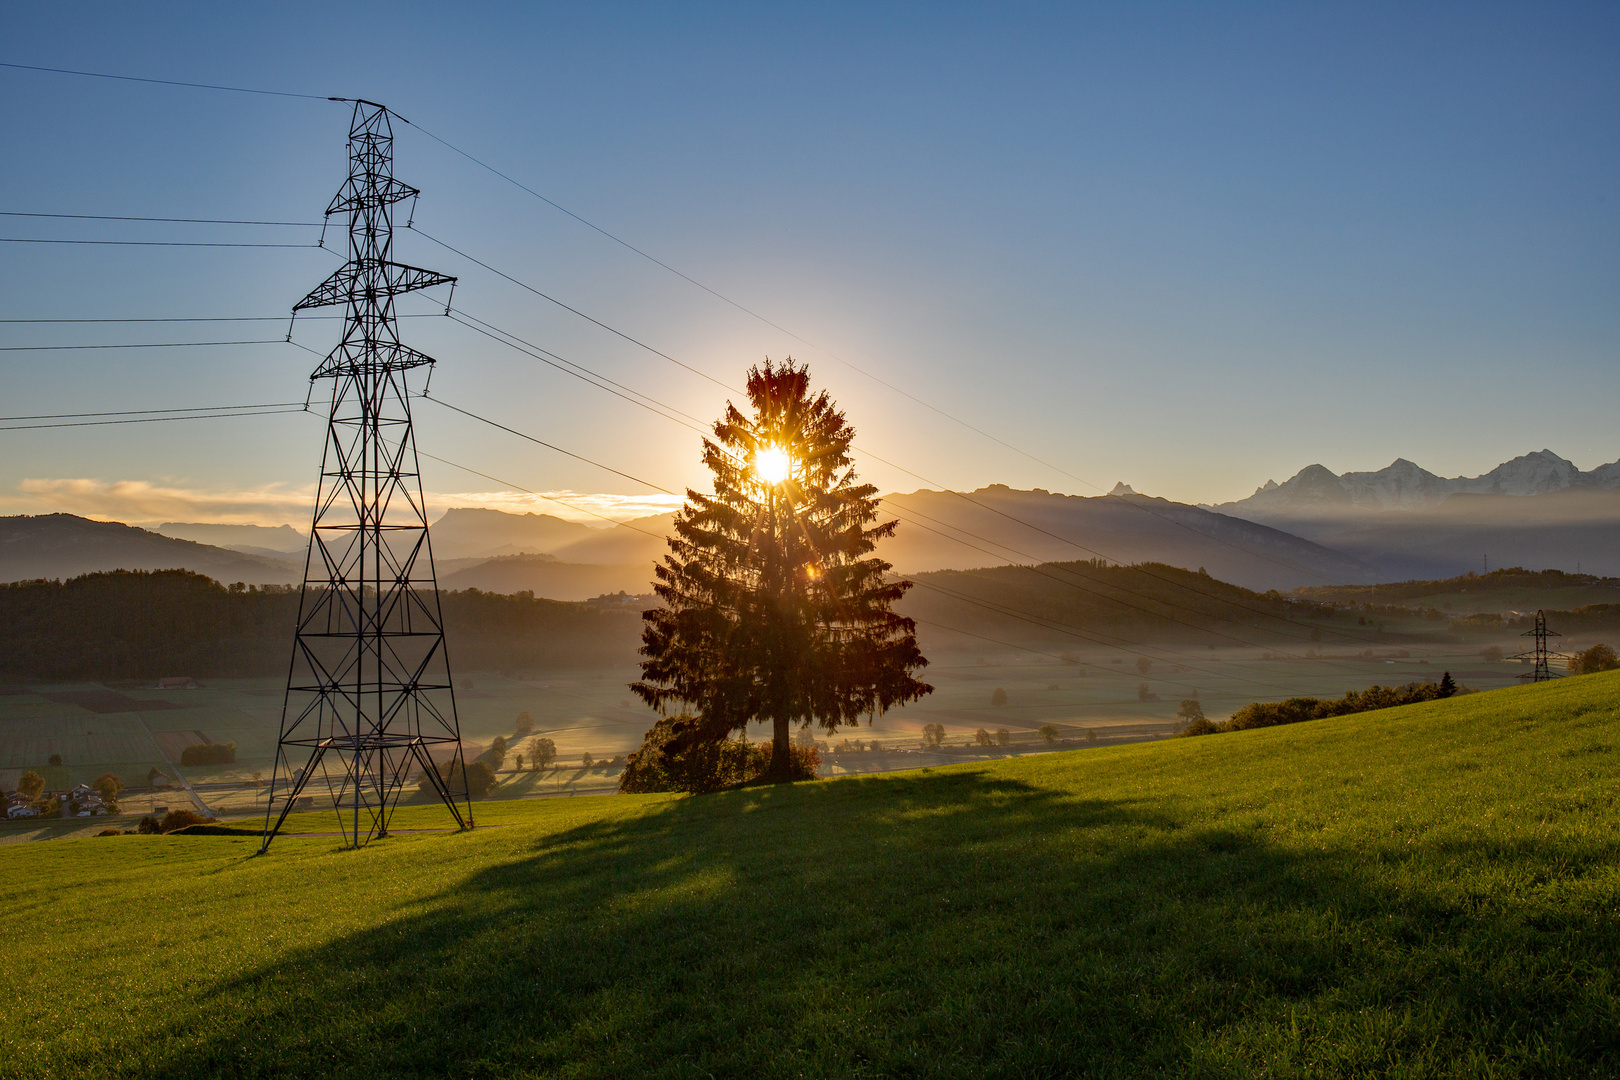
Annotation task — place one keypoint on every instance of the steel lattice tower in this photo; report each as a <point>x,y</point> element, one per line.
<point>1543,669</point>
<point>369,701</point>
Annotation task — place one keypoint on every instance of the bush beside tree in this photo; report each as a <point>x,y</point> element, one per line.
<point>669,762</point>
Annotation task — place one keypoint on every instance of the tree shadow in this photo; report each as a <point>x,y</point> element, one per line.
<point>932,924</point>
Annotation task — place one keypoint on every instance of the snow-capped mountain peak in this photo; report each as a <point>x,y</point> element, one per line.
<point>1405,485</point>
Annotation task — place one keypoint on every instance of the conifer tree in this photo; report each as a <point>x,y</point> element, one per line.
<point>775,608</point>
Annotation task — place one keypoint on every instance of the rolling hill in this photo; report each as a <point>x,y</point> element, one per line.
<point>65,546</point>
<point>1422,891</point>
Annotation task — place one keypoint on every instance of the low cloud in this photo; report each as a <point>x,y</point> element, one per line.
<point>587,507</point>
<point>141,502</point>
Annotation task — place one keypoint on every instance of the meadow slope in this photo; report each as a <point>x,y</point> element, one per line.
<point>1423,891</point>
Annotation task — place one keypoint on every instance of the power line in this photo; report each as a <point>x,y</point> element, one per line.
<point>152,419</point>
<point>142,412</point>
<point>545,356</point>
<point>574,310</point>
<point>173,220</point>
<point>167,82</point>
<point>152,243</point>
<point>550,446</point>
<point>202,319</point>
<point>145,345</point>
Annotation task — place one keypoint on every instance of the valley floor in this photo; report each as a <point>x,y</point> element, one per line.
<point>1425,891</point>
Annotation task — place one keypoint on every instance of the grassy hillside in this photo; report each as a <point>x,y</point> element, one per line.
<point>1425,891</point>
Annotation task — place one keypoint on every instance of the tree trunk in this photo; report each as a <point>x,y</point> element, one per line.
<point>781,749</point>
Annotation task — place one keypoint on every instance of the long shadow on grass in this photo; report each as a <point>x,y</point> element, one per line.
<point>952,924</point>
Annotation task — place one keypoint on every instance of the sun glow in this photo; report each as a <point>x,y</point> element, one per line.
<point>772,464</point>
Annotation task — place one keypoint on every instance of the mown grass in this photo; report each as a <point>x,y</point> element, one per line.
<point>1425,891</point>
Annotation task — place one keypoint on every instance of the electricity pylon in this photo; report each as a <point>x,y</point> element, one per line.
<point>369,699</point>
<point>1543,669</point>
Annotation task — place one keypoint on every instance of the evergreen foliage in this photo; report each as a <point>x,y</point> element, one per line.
<point>774,607</point>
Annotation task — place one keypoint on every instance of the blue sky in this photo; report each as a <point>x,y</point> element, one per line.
<point>1189,247</point>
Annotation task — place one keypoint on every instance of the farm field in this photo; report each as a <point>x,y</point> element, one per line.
<point>1422,891</point>
<point>130,729</point>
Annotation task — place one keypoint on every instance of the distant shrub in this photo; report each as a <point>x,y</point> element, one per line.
<point>111,832</point>
<point>1294,710</point>
<point>149,826</point>
<point>1590,661</point>
<point>524,724</point>
<point>933,736</point>
<point>1491,654</point>
<point>1202,726</point>
<point>54,759</point>
<point>179,819</point>
<point>1144,693</point>
<point>1003,737</point>
<point>1190,709</point>
<point>1048,733</point>
<point>209,754</point>
<point>998,696</point>
<point>876,746</point>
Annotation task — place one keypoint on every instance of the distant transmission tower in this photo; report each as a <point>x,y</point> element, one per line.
<point>1543,670</point>
<point>369,702</point>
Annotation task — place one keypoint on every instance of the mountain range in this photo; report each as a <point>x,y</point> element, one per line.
<point>1317,528</point>
<point>1403,485</point>
<point>1538,511</point>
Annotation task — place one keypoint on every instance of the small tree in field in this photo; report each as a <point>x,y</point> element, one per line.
<point>1190,710</point>
<point>108,786</point>
<point>518,762</point>
<point>542,752</point>
<point>1003,737</point>
<point>982,738</point>
<point>524,723</point>
<point>1048,733</point>
<point>998,696</point>
<point>774,607</point>
<point>30,784</point>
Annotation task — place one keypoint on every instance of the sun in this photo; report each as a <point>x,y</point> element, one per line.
<point>772,464</point>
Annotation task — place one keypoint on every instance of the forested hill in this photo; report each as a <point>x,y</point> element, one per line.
<point>1514,585</point>
<point>1076,602</point>
<point>151,624</point>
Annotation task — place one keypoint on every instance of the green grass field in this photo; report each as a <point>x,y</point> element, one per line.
<point>1425,891</point>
